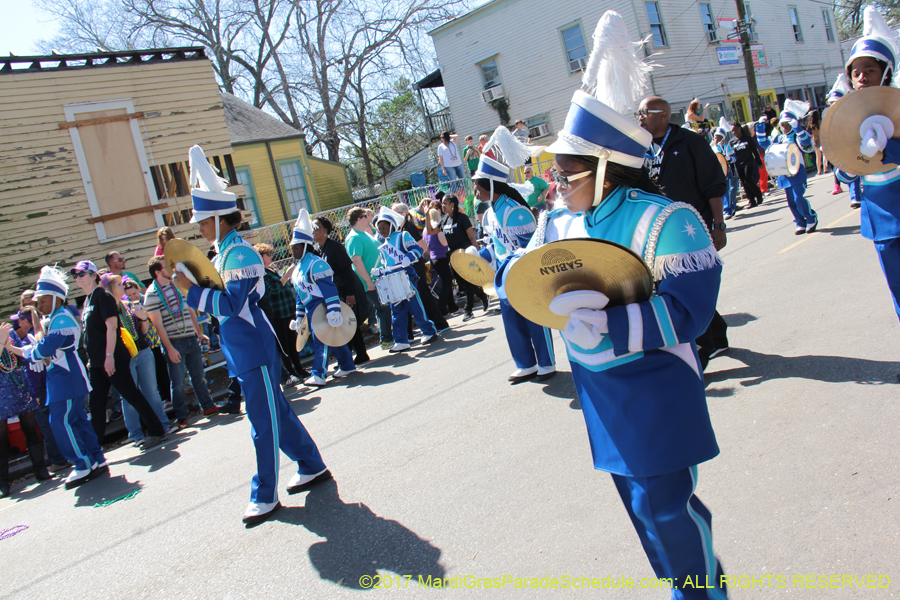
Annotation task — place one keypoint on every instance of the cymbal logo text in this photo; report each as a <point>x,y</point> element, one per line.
<point>559,260</point>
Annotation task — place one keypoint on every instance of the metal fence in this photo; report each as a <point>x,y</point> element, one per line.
<point>279,235</point>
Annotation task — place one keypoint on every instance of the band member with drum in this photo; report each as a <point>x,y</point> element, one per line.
<point>510,224</point>
<point>398,252</point>
<point>636,367</point>
<point>794,186</point>
<point>746,162</point>
<point>248,343</point>
<point>313,280</point>
<point>872,62</point>
<point>762,144</point>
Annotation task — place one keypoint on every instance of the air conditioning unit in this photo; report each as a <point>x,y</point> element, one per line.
<point>539,130</point>
<point>579,64</point>
<point>754,37</point>
<point>491,94</point>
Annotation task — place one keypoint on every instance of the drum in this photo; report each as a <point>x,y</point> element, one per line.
<point>784,159</point>
<point>394,287</point>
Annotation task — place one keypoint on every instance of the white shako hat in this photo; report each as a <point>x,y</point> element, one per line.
<point>303,229</point>
<point>391,216</point>
<point>841,88</point>
<point>51,282</point>
<point>878,41</point>
<point>208,189</point>
<point>612,86</point>
<point>794,109</point>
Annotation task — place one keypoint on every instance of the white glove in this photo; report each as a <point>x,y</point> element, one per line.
<point>472,250</point>
<point>377,272</point>
<point>565,304</point>
<point>335,319</point>
<point>794,124</point>
<point>585,328</point>
<point>763,119</point>
<point>183,270</point>
<point>295,324</point>
<point>405,262</point>
<point>875,132</point>
<point>37,367</point>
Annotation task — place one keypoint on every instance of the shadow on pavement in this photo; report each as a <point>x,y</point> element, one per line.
<point>371,378</point>
<point>358,543</point>
<point>846,230</point>
<point>304,406</point>
<point>445,346</point>
<point>158,457</point>
<point>738,319</point>
<point>457,333</point>
<point>832,369</point>
<point>747,225</point>
<point>720,393</point>
<point>104,489</point>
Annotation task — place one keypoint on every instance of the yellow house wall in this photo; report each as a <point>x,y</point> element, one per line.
<point>332,185</point>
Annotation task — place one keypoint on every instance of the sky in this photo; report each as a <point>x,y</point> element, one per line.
<point>22,25</point>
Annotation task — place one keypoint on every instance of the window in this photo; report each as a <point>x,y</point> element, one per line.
<point>243,177</point>
<point>576,51</point>
<point>709,23</point>
<point>829,32</point>
<point>490,74</point>
<point>795,23</point>
<point>656,26</point>
<point>294,186</point>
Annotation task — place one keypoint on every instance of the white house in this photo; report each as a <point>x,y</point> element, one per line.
<point>528,55</point>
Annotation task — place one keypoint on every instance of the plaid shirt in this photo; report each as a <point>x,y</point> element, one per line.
<point>278,302</point>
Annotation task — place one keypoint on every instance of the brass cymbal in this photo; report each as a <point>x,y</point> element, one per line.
<point>722,161</point>
<point>303,334</point>
<point>472,267</point>
<point>840,128</point>
<point>490,290</point>
<point>182,251</point>
<point>570,265</point>
<point>333,336</point>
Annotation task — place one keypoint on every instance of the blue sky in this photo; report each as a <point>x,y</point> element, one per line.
<point>21,27</point>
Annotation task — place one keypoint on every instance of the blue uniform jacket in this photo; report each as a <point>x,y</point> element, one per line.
<point>805,142</point>
<point>248,340</point>
<point>641,390</point>
<point>395,247</point>
<point>314,284</point>
<point>880,214</point>
<point>66,376</point>
<point>762,140</point>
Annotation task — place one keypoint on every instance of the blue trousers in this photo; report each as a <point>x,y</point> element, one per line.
<point>274,426</point>
<point>889,257</point>
<point>74,434</point>
<point>675,529</point>
<point>729,200</point>
<point>529,343</point>
<point>400,318</point>
<point>320,355</point>
<point>855,190</point>
<point>804,215</point>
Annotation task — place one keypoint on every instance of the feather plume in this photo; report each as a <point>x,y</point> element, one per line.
<point>798,108</point>
<point>508,148</point>
<point>841,86</point>
<point>525,189</point>
<point>875,26</point>
<point>725,124</point>
<point>203,176</point>
<point>616,74</point>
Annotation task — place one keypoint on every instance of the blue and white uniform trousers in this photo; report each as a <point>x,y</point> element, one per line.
<point>321,351</point>
<point>795,186</point>
<point>400,319</point>
<point>274,426</point>
<point>74,434</point>
<point>529,343</point>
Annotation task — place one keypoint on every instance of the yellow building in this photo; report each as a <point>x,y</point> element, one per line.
<point>278,176</point>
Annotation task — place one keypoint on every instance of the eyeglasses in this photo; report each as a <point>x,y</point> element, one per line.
<point>644,113</point>
<point>80,274</point>
<point>563,181</point>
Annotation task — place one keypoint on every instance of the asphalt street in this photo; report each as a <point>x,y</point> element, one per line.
<point>446,473</point>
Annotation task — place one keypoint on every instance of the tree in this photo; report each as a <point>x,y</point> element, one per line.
<point>849,16</point>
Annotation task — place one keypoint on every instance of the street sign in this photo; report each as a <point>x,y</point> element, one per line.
<point>728,55</point>
<point>759,55</point>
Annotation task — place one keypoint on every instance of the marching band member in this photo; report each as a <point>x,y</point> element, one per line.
<point>636,367</point>
<point>399,249</point>
<point>794,186</point>
<point>720,146</point>
<point>762,144</point>
<point>248,343</point>
<point>314,284</point>
<point>67,380</point>
<point>510,224</point>
<point>872,62</point>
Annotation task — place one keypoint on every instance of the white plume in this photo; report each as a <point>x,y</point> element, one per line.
<point>725,123</point>
<point>203,176</point>
<point>841,85</point>
<point>875,26</point>
<point>507,147</point>
<point>525,189</point>
<point>616,74</point>
<point>55,276</point>
<point>798,108</point>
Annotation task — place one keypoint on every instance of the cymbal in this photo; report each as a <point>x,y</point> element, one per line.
<point>303,334</point>
<point>490,290</point>
<point>723,161</point>
<point>472,267</point>
<point>182,251</point>
<point>840,128</point>
<point>333,336</point>
<point>570,265</point>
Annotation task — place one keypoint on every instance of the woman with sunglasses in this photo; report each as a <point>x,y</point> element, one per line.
<point>109,360</point>
<point>636,368</point>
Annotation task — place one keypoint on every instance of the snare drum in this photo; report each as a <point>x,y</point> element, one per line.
<point>784,159</point>
<point>394,287</point>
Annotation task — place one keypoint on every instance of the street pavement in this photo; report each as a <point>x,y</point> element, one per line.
<point>445,471</point>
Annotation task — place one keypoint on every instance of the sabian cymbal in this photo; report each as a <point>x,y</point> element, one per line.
<point>303,334</point>
<point>333,336</point>
<point>182,251</point>
<point>840,128</point>
<point>569,265</point>
<point>472,267</point>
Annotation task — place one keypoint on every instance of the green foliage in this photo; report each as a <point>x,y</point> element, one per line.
<point>501,105</point>
<point>849,16</point>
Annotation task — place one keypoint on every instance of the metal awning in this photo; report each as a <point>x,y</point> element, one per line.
<point>433,80</point>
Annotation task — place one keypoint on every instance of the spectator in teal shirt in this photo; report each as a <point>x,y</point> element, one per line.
<point>363,250</point>
<point>538,197</point>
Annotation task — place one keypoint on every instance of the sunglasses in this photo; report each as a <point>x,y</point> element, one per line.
<point>79,274</point>
<point>563,181</point>
<point>644,113</point>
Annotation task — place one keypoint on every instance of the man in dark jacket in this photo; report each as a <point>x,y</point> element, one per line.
<point>685,167</point>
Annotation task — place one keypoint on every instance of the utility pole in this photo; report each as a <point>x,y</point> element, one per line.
<point>743,28</point>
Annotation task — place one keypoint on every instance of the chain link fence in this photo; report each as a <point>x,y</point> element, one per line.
<point>279,235</point>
